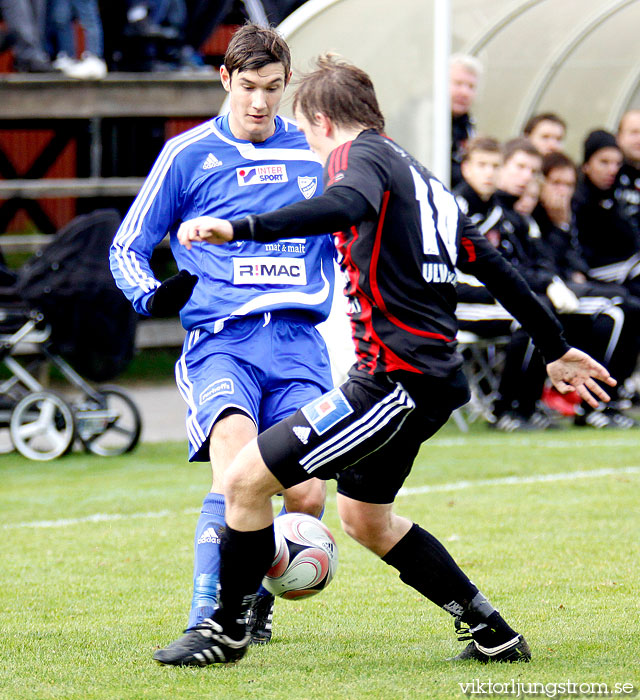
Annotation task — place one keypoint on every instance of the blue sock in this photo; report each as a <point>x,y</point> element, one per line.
<point>262,591</point>
<point>206,565</point>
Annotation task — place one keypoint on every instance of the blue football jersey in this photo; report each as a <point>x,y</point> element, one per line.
<point>208,172</point>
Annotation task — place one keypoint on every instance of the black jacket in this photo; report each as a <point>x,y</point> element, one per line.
<point>606,234</point>
<point>562,245</point>
<point>521,245</point>
<point>627,192</point>
<point>462,129</point>
<point>485,216</point>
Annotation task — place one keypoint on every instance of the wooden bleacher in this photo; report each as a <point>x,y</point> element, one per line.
<point>49,101</point>
<point>54,96</point>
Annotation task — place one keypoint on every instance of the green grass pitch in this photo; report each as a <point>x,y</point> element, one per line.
<point>96,557</point>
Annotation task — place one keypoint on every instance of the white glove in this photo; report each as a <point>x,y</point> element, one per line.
<point>562,298</point>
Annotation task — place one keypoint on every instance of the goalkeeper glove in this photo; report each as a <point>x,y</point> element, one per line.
<point>172,295</point>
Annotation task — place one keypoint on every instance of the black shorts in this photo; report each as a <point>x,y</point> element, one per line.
<point>366,433</point>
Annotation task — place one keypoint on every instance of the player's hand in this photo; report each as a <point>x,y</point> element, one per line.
<point>172,295</point>
<point>206,229</point>
<point>577,371</point>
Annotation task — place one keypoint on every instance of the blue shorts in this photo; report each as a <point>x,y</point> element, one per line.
<point>266,366</point>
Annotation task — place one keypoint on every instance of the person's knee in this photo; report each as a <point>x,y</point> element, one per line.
<point>232,431</point>
<point>247,479</point>
<point>369,533</point>
<point>374,526</point>
<point>228,437</point>
<point>248,487</point>
<point>239,484</point>
<point>306,498</point>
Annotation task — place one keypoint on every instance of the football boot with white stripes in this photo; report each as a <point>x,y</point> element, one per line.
<point>202,645</point>
<point>515,649</point>
<point>261,619</point>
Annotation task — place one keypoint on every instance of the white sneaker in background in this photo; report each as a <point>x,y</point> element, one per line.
<point>63,62</point>
<point>90,67</point>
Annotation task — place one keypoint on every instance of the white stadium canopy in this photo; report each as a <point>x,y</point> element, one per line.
<point>577,58</point>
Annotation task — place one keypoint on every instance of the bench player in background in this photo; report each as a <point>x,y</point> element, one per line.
<point>627,191</point>
<point>401,235</point>
<point>252,353</point>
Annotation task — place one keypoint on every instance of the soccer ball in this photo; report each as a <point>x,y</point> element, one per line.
<point>306,557</point>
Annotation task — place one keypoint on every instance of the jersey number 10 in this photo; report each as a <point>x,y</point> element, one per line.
<point>438,217</point>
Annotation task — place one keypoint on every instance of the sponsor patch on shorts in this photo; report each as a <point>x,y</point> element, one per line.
<point>217,388</point>
<point>326,411</point>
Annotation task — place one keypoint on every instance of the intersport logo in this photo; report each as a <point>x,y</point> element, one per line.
<point>265,270</point>
<point>262,175</point>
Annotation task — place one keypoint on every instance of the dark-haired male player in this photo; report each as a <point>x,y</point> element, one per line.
<point>252,353</point>
<point>400,234</point>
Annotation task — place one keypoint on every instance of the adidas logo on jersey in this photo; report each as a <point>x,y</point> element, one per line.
<point>211,162</point>
<point>209,535</point>
<point>302,433</point>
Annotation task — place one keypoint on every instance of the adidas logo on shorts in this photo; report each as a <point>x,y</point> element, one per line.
<point>209,535</point>
<point>211,162</point>
<point>302,433</point>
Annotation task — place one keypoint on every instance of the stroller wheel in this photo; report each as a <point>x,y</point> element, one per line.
<point>111,426</point>
<point>42,426</point>
<point>6,443</point>
<point>8,402</point>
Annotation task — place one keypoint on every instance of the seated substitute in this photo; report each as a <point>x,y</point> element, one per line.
<point>594,327</point>
<point>560,239</point>
<point>401,234</point>
<point>609,237</point>
<point>627,190</point>
<point>547,132</point>
<point>477,311</point>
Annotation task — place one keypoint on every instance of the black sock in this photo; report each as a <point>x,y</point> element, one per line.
<point>245,557</point>
<point>425,564</point>
<point>486,625</point>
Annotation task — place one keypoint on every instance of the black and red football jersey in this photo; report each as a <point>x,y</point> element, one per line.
<point>401,235</point>
<point>401,262</point>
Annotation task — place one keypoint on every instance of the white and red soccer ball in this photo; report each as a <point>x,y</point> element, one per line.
<point>306,557</point>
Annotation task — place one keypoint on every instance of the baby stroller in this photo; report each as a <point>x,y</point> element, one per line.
<point>64,311</point>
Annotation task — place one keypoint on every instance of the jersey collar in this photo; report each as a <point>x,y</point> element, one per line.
<point>223,125</point>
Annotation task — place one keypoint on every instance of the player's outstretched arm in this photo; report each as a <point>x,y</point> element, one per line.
<point>335,210</point>
<point>206,229</point>
<point>577,371</point>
